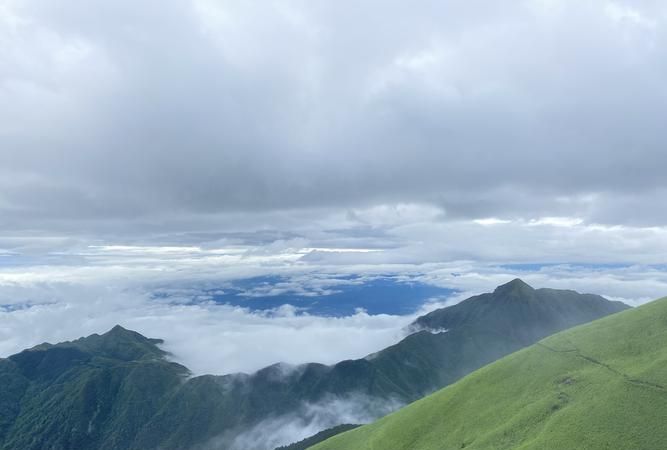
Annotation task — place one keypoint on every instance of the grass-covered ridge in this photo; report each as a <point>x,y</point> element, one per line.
<point>602,385</point>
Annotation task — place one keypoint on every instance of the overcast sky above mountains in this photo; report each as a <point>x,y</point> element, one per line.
<point>144,143</point>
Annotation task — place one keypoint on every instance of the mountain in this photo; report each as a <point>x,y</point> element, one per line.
<point>601,385</point>
<point>118,390</point>
<point>480,330</point>
<point>95,392</point>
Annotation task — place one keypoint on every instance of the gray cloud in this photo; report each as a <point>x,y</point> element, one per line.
<point>147,112</point>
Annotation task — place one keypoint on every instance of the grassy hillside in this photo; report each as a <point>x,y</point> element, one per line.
<point>597,386</point>
<point>319,437</point>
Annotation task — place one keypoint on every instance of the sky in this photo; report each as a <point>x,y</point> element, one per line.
<point>181,147</point>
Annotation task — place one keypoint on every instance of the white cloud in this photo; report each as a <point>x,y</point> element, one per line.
<point>622,14</point>
<point>85,289</point>
<point>307,420</point>
<point>557,221</point>
<point>491,221</point>
<point>206,338</point>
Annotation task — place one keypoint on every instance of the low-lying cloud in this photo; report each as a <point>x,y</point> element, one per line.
<point>87,291</point>
<point>306,421</point>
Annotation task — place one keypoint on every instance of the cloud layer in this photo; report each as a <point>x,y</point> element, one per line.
<point>89,292</point>
<point>185,112</point>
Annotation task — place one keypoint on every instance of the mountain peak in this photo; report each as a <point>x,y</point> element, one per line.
<point>120,333</point>
<point>123,344</point>
<point>513,303</point>
<point>117,329</point>
<point>516,285</point>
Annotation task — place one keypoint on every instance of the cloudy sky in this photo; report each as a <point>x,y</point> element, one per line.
<point>182,145</point>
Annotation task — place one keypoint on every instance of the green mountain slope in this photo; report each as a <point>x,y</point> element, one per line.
<point>95,392</point>
<point>117,390</point>
<point>598,386</point>
<point>319,437</point>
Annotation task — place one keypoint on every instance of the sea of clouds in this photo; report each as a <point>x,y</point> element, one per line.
<point>82,290</point>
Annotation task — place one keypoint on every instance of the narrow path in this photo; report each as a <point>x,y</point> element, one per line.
<point>629,379</point>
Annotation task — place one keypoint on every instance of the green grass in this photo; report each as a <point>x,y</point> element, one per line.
<point>602,385</point>
<point>319,437</point>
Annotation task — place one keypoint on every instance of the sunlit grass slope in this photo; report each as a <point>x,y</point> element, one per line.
<point>602,385</point>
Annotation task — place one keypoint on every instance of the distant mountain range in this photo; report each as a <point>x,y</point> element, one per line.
<point>599,386</point>
<point>119,391</point>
